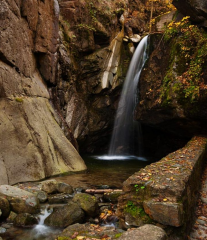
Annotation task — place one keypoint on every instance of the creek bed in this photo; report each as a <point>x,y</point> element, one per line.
<point>100,173</point>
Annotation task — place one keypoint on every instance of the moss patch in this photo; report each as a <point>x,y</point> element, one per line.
<point>184,77</point>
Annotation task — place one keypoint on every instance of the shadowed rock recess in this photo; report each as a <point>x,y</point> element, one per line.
<point>32,144</point>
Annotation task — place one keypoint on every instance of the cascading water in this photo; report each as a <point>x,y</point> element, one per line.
<point>126,136</point>
<point>42,230</point>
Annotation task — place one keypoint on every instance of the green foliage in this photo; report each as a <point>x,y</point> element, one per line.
<point>188,59</point>
<point>138,188</point>
<point>134,210</point>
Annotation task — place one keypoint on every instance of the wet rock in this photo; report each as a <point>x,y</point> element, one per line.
<point>20,201</point>
<point>65,215</point>
<point>4,207</point>
<point>146,232</point>
<point>6,225</point>
<point>104,206</point>
<point>64,188</point>
<point>2,230</point>
<point>59,198</point>
<point>11,217</point>
<point>25,219</point>
<point>88,203</point>
<point>135,38</point>
<point>42,196</point>
<point>112,196</point>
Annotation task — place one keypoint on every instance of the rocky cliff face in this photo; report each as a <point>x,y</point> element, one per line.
<point>93,62</point>
<point>173,84</point>
<point>32,144</point>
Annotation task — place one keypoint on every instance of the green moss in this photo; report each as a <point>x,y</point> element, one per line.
<point>20,100</point>
<point>63,238</point>
<point>118,235</point>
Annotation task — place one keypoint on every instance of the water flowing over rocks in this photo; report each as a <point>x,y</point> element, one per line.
<point>166,191</point>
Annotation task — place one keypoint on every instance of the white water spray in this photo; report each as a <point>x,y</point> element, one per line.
<point>41,229</point>
<point>126,133</point>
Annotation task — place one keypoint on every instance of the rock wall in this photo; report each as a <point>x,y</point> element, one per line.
<point>93,62</point>
<point>173,84</point>
<point>32,144</point>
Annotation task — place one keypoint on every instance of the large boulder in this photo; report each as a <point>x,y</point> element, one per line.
<point>20,201</point>
<point>65,215</point>
<point>32,143</point>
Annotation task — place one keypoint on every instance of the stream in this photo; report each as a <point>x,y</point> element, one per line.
<point>102,172</point>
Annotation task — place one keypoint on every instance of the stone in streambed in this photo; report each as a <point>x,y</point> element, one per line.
<point>88,203</point>
<point>4,207</point>
<point>20,201</point>
<point>146,232</point>
<point>52,186</point>
<point>64,188</point>
<point>112,196</point>
<point>49,186</point>
<point>59,198</point>
<point>11,217</point>
<point>65,215</point>
<point>25,219</point>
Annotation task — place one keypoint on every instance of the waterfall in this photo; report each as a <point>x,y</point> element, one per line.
<point>126,133</point>
<point>42,230</point>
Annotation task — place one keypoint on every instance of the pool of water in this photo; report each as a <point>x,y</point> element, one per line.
<point>102,170</point>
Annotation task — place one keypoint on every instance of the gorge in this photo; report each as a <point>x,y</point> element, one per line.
<point>62,67</point>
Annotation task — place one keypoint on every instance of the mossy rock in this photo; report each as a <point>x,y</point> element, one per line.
<point>88,203</point>
<point>25,219</point>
